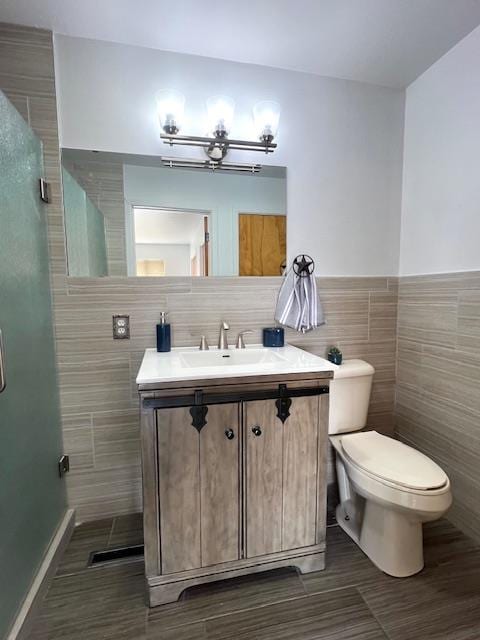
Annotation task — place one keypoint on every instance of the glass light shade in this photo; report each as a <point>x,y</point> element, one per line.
<point>170,107</point>
<point>266,115</point>
<point>220,111</point>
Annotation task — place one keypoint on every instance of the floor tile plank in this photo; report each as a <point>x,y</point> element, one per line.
<point>440,603</point>
<point>346,565</point>
<point>350,600</point>
<point>227,596</point>
<point>87,537</point>
<point>336,614</point>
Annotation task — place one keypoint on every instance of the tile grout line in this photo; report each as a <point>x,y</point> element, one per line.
<point>263,606</point>
<point>386,634</point>
<point>110,535</point>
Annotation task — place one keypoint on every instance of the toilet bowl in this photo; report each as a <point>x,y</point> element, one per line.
<point>387,489</point>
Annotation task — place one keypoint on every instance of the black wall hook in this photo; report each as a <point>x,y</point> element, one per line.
<point>303,265</point>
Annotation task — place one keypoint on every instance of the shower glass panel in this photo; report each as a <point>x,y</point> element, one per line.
<point>85,230</point>
<point>32,499</point>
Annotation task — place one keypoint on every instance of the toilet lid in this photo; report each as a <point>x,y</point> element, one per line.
<point>393,461</point>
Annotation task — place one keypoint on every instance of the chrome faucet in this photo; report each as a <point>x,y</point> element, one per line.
<point>240,340</point>
<point>222,338</point>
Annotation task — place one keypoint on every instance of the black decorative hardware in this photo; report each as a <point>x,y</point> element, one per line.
<point>303,265</point>
<point>256,431</point>
<point>283,403</point>
<point>230,434</point>
<point>170,402</point>
<point>198,411</point>
<point>44,190</point>
<point>63,465</point>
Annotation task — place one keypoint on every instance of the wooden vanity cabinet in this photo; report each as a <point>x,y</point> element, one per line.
<point>243,492</point>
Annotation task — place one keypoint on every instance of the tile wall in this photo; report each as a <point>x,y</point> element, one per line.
<point>97,375</point>
<point>438,381</point>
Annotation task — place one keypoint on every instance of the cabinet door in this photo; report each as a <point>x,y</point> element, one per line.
<point>263,478</point>
<point>300,473</point>
<point>281,476</point>
<point>220,484</point>
<point>198,488</point>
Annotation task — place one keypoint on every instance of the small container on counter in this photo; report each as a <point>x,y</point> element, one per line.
<point>273,337</point>
<point>164,342</point>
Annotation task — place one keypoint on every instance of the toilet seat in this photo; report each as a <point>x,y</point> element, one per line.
<point>393,462</point>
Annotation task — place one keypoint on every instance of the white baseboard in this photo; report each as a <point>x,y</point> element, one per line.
<point>24,620</point>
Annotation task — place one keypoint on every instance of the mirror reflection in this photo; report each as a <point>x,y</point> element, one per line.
<point>128,215</point>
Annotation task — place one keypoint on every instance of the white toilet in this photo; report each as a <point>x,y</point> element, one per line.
<point>387,489</point>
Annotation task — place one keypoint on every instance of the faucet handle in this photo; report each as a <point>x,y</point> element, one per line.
<point>203,344</point>
<point>240,340</point>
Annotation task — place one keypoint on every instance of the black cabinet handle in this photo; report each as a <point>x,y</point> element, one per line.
<point>256,431</point>
<point>230,434</point>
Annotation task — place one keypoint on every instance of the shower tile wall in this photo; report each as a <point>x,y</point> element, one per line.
<point>438,381</point>
<point>98,397</point>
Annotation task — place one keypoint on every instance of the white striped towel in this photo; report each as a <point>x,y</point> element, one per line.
<point>298,306</point>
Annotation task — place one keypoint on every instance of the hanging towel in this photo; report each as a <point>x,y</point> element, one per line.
<point>298,306</point>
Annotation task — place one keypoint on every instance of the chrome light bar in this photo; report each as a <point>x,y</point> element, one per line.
<point>224,143</point>
<point>210,165</point>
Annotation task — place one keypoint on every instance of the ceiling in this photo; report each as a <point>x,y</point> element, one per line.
<point>157,226</point>
<point>387,42</point>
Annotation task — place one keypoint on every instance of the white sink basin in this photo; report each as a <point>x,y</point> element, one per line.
<point>230,358</point>
<point>188,363</point>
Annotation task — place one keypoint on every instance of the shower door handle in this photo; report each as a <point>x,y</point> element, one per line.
<point>3,379</point>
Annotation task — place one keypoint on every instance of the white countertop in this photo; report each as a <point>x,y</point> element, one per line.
<point>189,363</point>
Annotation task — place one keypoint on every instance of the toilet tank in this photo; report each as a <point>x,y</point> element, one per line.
<point>349,396</point>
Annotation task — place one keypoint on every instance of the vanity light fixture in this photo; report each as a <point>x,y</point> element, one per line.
<point>266,115</point>
<point>170,107</point>
<point>211,165</point>
<point>220,110</point>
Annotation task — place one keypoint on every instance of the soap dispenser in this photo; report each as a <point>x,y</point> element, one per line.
<point>163,334</point>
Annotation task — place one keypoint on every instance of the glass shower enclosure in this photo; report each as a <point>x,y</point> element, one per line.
<point>32,496</point>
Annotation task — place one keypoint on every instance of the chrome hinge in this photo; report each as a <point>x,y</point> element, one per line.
<point>207,236</point>
<point>44,190</point>
<point>63,465</point>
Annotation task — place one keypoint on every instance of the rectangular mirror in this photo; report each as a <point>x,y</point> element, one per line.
<point>129,215</point>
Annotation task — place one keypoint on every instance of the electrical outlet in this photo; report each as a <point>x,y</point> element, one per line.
<point>121,327</point>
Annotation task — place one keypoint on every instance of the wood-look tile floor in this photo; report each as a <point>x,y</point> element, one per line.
<point>350,600</point>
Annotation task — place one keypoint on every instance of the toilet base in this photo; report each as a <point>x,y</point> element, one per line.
<point>392,541</point>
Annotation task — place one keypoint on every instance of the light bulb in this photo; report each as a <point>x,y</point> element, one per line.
<point>266,115</point>
<point>220,111</point>
<point>170,107</point>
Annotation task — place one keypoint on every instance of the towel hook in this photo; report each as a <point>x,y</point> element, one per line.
<point>303,265</point>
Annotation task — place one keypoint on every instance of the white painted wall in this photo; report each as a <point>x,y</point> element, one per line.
<point>341,141</point>
<point>441,192</point>
<point>176,256</point>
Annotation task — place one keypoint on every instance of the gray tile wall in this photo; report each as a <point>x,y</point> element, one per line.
<point>97,374</point>
<point>98,396</point>
<point>438,381</point>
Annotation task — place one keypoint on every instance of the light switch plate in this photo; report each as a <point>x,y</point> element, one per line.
<point>121,327</point>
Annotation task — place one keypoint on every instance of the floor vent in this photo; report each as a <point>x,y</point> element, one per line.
<point>120,554</point>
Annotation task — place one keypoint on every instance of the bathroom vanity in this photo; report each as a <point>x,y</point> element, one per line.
<point>234,464</point>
